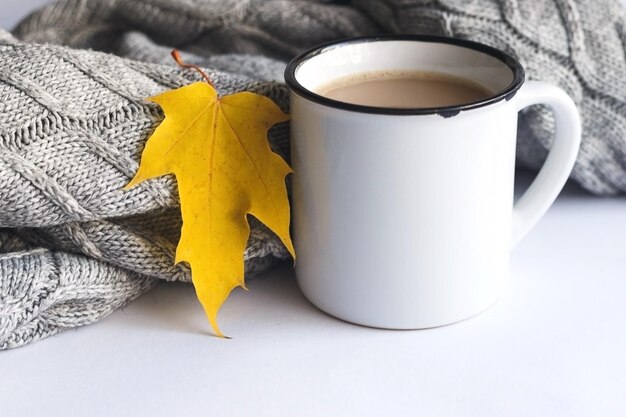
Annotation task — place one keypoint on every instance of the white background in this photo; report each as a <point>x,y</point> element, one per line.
<point>12,11</point>
<point>554,345</point>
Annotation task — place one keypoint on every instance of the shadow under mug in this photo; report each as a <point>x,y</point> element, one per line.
<point>404,218</point>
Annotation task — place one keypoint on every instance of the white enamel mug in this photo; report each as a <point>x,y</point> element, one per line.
<point>404,218</point>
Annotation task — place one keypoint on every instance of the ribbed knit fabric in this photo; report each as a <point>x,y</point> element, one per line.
<point>68,145</point>
<point>73,122</point>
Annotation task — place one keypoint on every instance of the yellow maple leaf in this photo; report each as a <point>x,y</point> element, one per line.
<point>218,150</point>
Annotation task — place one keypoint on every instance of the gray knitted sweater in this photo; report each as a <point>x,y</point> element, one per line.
<point>74,247</point>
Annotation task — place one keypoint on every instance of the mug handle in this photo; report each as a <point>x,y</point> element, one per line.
<point>534,203</point>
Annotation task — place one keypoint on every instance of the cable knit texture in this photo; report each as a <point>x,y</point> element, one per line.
<point>73,122</point>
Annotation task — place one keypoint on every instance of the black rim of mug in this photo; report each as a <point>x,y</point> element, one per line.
<point>445,111</point>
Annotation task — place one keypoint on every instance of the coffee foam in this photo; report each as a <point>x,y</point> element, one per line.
<point>394,74</point>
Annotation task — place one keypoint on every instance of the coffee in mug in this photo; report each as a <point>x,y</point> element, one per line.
<point>404,89</point>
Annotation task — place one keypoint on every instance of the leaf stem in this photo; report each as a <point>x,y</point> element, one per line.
<point>179,61</point>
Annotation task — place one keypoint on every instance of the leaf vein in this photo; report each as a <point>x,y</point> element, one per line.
<point>256,169</point>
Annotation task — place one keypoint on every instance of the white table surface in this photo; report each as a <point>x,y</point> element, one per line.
<point>554,345</point>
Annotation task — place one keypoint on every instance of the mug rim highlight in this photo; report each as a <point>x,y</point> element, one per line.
<point>446,111</point>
